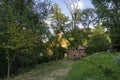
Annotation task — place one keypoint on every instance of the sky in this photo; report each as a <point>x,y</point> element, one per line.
<point>82,4</point>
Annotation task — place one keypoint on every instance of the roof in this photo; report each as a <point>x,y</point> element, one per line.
<point>79,47</point>
<point>73,48</point>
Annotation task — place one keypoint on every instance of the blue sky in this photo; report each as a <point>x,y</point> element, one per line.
<point>83,5</point>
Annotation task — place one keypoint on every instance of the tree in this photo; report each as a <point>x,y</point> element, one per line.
<point>73,7</point>
<point>58,19</point>
<point>75,33</point>
<point>99,40</point>
<point>59,28</point>
<point>20,28</point>
<point>76,39</point>
<point>87,17</point>
<point>109,13</point>
<point>14,19</point>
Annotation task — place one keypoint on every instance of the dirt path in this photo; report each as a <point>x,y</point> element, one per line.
<point>48,71</point>
<point>56,75</point>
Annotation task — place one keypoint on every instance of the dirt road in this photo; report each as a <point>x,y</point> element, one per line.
<point>56,70</point>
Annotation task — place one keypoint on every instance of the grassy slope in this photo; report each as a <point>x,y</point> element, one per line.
<point>95,67</point>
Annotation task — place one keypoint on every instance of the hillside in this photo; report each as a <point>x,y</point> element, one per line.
<point>100,66</point>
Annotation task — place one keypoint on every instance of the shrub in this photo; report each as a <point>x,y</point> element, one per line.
<point>98,43</point>
<point>117,61</point>
<point>99,40</point>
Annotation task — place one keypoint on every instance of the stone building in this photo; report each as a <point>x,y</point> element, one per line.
<point>76,52</point>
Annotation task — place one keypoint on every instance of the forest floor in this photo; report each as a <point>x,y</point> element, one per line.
<point>55,70</point>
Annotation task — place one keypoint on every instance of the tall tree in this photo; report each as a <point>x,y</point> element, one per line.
<point>73,7</point>
<point>59,28</point>
<point>58,19</point>
<point>109,13</point>
<point>87,18</point>
<point>20,27</point>
<point>14,18</point>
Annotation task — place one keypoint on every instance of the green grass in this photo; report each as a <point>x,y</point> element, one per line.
<point>99,66</point>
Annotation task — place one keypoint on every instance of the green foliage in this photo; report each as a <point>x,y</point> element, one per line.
<point>99,66</point>
<point>22,32</point>
<point>58,19</point>
<point>87,17</point>
<point>76,37</point>
<point>45,58</point>
<point>58,26</point>
<point>117,60</point>
<point>99,41</point>
<point>109,14</point>
<point>107,72</point>
<point>3,62</point>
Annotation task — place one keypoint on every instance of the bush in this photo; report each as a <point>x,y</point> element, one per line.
<point>97,43</point>
<point>19,62</point>
<point>117,61</point>
<point>22,63</point>
<point>44,58</point>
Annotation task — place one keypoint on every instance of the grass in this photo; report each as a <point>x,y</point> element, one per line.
<point>55,70</point>
<point>99,66</point>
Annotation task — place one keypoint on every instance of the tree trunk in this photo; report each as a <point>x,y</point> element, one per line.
<point>8,72</point>
<point>55,58</point>
<point>8,67</point>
